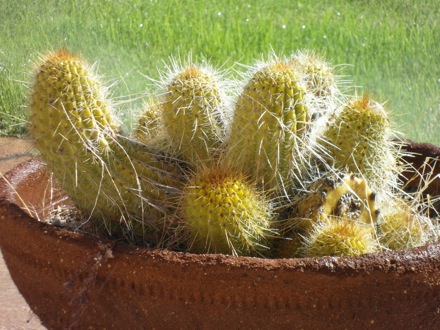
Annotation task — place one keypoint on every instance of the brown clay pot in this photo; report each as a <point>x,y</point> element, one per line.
<point>72,280</point>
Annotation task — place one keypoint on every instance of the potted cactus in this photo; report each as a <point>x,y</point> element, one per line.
<point>281,204</point>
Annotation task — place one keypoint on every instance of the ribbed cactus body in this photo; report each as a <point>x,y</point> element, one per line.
<point>149,128</point>
<point>319,74</point>
<point>65,88</point>
<point>194,109</point>
<point>321,82</point>
<point>269,120</point>
<point>72,126</point>
<point>107,176</point>
<point>358,140</point>
<point>401,227</point>
<point>340,237</point>
<point>225,214</point>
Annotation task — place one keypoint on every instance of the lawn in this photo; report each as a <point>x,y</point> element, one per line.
<point>389,49</point>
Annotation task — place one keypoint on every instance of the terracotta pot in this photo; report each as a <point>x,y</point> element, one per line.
<point>76,281</point>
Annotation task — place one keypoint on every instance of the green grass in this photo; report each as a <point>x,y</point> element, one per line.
<point>392,46</point>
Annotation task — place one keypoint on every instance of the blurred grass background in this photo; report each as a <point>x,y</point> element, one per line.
<point>391,47</point>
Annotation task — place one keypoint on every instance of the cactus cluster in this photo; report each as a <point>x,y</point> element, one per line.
<point>119,182</point>
<point>288,167</point>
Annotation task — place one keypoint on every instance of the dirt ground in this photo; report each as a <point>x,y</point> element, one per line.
<point>14,311</point>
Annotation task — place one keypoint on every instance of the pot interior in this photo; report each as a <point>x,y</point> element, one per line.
<point>34,189</point>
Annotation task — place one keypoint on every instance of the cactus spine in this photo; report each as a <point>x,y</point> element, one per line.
<point>321,82</point>
<point>319,73</point>
<point>65,100</point>
<point>149,126</point>
<point>108,177</point>
<point>270,119</point>
<point>400,227</point>
<point>194,111</point>
<point>225,214</point>
<point>340,237</point>
<point>358,140</point>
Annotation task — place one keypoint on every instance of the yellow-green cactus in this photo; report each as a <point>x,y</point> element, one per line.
<point>72,125</point>
<point>401,227</point>
<point>268,126</point>
<point>321,82</point>
<point>340,237</point>
<point>194,113</point>
<point>223,213</point>
<point>149,126</point>
<point>358,139</point>
<point>115,180</point>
